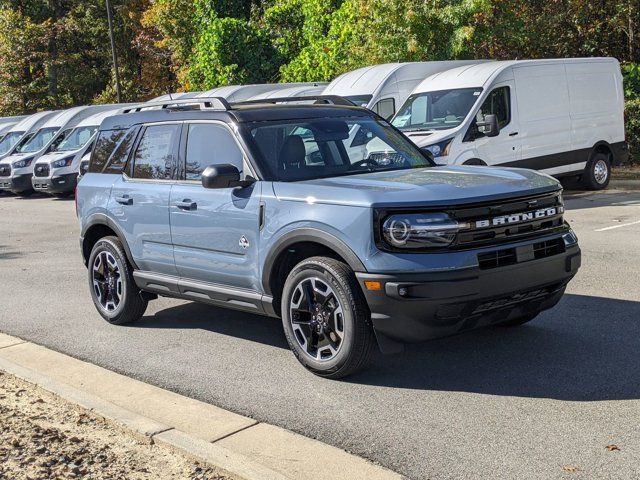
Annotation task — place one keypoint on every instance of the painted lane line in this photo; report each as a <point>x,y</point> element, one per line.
<point>617,226</point>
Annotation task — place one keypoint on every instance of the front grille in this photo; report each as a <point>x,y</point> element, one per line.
<point>499,258</point>
<point>511,256</point>
<point>513,299</point>
<point>41,170</point>
<point>548,248</point>
<point>5,170</point>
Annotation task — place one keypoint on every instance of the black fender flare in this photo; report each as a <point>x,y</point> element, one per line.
<point>307,235</point>
<point>103,219</point>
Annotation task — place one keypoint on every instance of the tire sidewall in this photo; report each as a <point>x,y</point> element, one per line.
<point>591,178</point>
<point>309,270</point>
<point>105,244</point>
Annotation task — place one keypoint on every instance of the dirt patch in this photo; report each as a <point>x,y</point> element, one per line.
<point>627,172</point>
<point>44,437</point>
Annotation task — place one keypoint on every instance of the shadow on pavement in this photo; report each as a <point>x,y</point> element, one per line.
<point>586,349</point>
<point>255,328</point>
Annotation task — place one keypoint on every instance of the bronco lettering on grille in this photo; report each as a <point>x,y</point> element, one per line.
<point>518,217</point>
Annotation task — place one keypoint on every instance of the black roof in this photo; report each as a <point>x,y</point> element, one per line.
<point>249,112</point>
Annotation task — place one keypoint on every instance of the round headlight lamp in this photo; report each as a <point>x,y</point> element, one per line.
<point>419,230</point>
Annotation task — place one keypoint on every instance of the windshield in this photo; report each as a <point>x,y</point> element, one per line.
<point>39,141</point>
<point>9,141</point>
<point>359,100</point>
<point>322,147</point>
<point>436,110</point>
<point>77,139</point>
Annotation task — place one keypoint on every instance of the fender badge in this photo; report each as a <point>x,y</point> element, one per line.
<point>244,243</point>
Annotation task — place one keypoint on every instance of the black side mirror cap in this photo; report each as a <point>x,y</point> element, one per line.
<point>491,125</point>
<point>224,175</point>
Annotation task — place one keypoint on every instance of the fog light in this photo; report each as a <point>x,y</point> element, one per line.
<point>403,292</point>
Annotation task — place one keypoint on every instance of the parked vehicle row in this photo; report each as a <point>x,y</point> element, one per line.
<point>563,117</point>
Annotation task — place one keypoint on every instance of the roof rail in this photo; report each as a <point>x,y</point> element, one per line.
<point>204,103</point>
<point>329,99</point>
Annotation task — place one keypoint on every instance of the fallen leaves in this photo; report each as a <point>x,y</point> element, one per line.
<point>612,447</point>
<point>570,468</point>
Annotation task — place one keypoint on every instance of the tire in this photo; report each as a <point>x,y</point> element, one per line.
<point>119,302</point>
<point>597,173</point>
<point>476,162</point>
<point>63,194</point>
<point>26,193</point>
<point>344,337</point>
<point>516,322</point>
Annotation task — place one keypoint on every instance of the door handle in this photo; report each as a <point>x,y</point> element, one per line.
<point>513,134</point>
<point>187,205</point>
<point>125,200</point>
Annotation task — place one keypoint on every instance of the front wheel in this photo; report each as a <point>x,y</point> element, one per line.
<point>326,319</point>
<point>113,290</point>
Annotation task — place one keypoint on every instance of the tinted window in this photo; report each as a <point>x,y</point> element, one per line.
<point>497,103</point>
<point>155,157</point>
<point>208,144</point>
<point>104,146</point>
<point>385,108</point>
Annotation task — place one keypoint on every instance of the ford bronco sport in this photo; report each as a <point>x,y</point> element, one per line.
<point>275,208</point>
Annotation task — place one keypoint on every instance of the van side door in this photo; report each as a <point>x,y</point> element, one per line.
<point>215,231</point>
<point>505,147</point>
<point>139,201</point>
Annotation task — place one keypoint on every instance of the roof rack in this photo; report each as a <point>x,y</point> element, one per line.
<point>329,99</point>
<point>196,103</point>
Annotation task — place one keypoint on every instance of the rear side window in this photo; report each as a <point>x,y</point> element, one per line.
<point>110,150</point>
<point>155,156</point>
<point>208,144</point>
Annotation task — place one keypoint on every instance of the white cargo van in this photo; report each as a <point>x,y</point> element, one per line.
<point>560,116</point>
<point>22,132</point>
<point>383,88</point>
<point>56,172</point>
<point>16,169</point>
<point>175,96</point>
<point>299,91</point>
<point>239,93</point>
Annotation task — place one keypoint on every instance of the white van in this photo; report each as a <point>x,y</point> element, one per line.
<point>22,132</point>
<point>175,96</point>
<point>239,93</point>
<point>56,172</point>
<point>16,169</point>
<point>298,91</point>
<point>560,116</point>
<point>383,88</point>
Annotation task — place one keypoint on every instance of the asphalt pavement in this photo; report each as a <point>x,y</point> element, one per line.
<point>540,401</point>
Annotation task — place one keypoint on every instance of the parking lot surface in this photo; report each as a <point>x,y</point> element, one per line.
<point>540,401</point>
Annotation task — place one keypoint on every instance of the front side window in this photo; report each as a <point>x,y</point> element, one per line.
<point>155,157</point>
<point>498,102</point>
<point>320,147</point>
<point>38,141</point>
<point>439,110</point>
<point>77,139</point>
<point>359,100</point>
<point>9,140</point>
<point>209,144</point>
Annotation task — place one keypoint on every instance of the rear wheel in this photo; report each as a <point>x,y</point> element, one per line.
<point>597,173</point>
<point>326,319</point>
<point>113,290</point>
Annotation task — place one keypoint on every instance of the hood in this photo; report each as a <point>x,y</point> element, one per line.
<point>17,156</point>
<point>53,156</point>
<point>420,187</point>
<point>422,138</point>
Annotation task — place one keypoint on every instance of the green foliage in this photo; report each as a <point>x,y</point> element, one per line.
<point>631,72</point>
<point>632,112</point>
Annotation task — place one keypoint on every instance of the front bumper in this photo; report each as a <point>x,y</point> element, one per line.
<point>56,184</point>
<point>413,307</point>
<point>16,183</point>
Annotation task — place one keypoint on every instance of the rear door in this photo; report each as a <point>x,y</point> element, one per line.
<point>139,201</point>
<point>215,232</point>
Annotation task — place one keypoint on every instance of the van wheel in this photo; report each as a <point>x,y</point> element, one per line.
<point>113,290</point>
<point>326,319</point>
<point>597,173</point>
<point>475,161</point>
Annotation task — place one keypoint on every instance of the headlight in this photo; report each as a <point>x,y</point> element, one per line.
<point>63,162</point>
<point>419,230</point>
<point>440,149</point>
<point>25,162</point>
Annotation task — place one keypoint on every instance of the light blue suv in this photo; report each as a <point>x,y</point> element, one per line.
<point>277,209</point>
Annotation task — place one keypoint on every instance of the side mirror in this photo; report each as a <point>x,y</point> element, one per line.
<point>84,167</point>
<point>491,126</point>
<point>224,175</point>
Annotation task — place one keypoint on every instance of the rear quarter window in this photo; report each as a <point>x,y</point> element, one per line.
<point>111,150</point>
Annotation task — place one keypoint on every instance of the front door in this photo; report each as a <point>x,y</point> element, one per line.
<point>505,147</point>
<point>139,201</point>
<point>215,232</point>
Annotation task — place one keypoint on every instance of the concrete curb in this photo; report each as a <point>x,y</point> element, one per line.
<point>625,184</point>
<point>236,446</point>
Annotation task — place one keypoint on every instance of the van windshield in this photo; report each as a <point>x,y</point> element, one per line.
<point>322,147</point>
<point>436,110</point>
<point>359,100</point>
<point>9,141</point>
<point>77,139</point>
<point>39,140</point>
